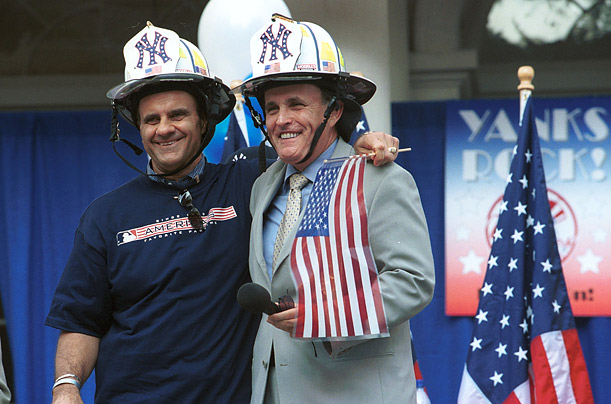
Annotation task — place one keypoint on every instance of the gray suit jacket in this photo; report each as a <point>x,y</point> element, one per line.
<point>372,371</point>
<point>5,394</point>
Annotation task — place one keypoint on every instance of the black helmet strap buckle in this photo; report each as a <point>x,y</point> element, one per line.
<point>259,123</point>
<point>332,106</point>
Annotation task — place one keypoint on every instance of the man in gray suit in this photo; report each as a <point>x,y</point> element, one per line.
<point>311,105</point>
<point>5,394</point>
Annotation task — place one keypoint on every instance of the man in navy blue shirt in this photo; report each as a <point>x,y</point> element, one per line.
<point>147,296</point>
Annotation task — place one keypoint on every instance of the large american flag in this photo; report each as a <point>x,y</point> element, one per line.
<point>333,268</point>
<point>524,347</point>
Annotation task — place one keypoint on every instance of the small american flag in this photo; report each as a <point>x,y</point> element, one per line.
<point>328,66</point>
<point>337,280</point>
<point>152,70</point>
<point>525,348</point>
<point>272,68</point>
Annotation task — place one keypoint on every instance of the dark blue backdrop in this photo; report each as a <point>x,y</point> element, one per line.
<point>55,163</point>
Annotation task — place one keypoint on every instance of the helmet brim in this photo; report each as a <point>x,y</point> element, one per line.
<point>360,88</point>
<point>120,93</point>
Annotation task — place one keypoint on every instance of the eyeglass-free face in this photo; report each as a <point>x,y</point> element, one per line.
<point>171,131</point>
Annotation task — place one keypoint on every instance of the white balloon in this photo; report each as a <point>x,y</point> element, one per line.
<point>224,33</point>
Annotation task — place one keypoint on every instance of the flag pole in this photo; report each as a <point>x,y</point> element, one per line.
<point>358,156</point>
<point>526,75</point>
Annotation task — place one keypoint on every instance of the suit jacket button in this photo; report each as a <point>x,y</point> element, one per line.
<point>264,363</point>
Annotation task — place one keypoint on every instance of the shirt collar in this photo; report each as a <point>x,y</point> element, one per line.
<point>192,178</point>
<point>311,170</point>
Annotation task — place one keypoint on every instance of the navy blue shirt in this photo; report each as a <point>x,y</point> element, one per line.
<point>160,295</point>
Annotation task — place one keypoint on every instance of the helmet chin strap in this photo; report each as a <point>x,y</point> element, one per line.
<point>332,106</point>
<point>259,123</point>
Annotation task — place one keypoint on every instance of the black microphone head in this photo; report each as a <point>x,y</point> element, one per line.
<point>256,299</point>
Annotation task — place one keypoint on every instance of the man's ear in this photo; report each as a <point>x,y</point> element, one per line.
<point>204,126</point>
<point>336,113</point>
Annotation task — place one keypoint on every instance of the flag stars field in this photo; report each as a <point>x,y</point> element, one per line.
<point>538,291</point>
<point>539,228</point>
<point>556,307</point>
<point>508,293</point>
<point>521,354</point>
<point>501,349</point>
<point>497,378</point>
<point>504,321</point>
<point>486,289</point>
<point>513,264</point>
<point>481,316</point>
<point>476,344</point>
<point>517,236</point>
<point>547,266</point>
<point>520,208</point>
<point>503,208</point>
<point>530,221</point>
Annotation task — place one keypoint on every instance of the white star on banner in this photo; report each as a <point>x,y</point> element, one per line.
<point>471,263</point>
<point>589,262</point>
<point>600,235</point>
<point>463,233</point>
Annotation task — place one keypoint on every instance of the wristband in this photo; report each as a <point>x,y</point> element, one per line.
<point>66,380</point>
<point>72,375</point>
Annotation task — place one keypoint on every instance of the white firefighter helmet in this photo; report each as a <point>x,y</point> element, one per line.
<point>158,58</point>
<point>287,51</point>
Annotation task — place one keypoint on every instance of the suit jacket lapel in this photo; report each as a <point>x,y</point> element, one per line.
<point>270,188</point>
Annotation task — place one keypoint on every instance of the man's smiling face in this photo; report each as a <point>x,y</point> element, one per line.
<point>171,130</point>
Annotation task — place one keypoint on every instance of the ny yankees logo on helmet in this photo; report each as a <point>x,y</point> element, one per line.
<point>145,46</point>
<point>276,42</point>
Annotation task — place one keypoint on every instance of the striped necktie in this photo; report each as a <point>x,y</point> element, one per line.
<point>293,205</point>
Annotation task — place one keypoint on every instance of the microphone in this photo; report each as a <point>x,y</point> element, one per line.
<point>255,298</point>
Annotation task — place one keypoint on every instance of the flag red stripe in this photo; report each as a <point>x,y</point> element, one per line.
<point>336,212</point>
<point>512,399</point>
<point>323,271</point>
<point>579,371</point>
<point>313,302</point>
<point>334,307</point>
<point>358,281</point>
<point>544,382</point>
<point>375,285</point>
<point>299,327</point>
